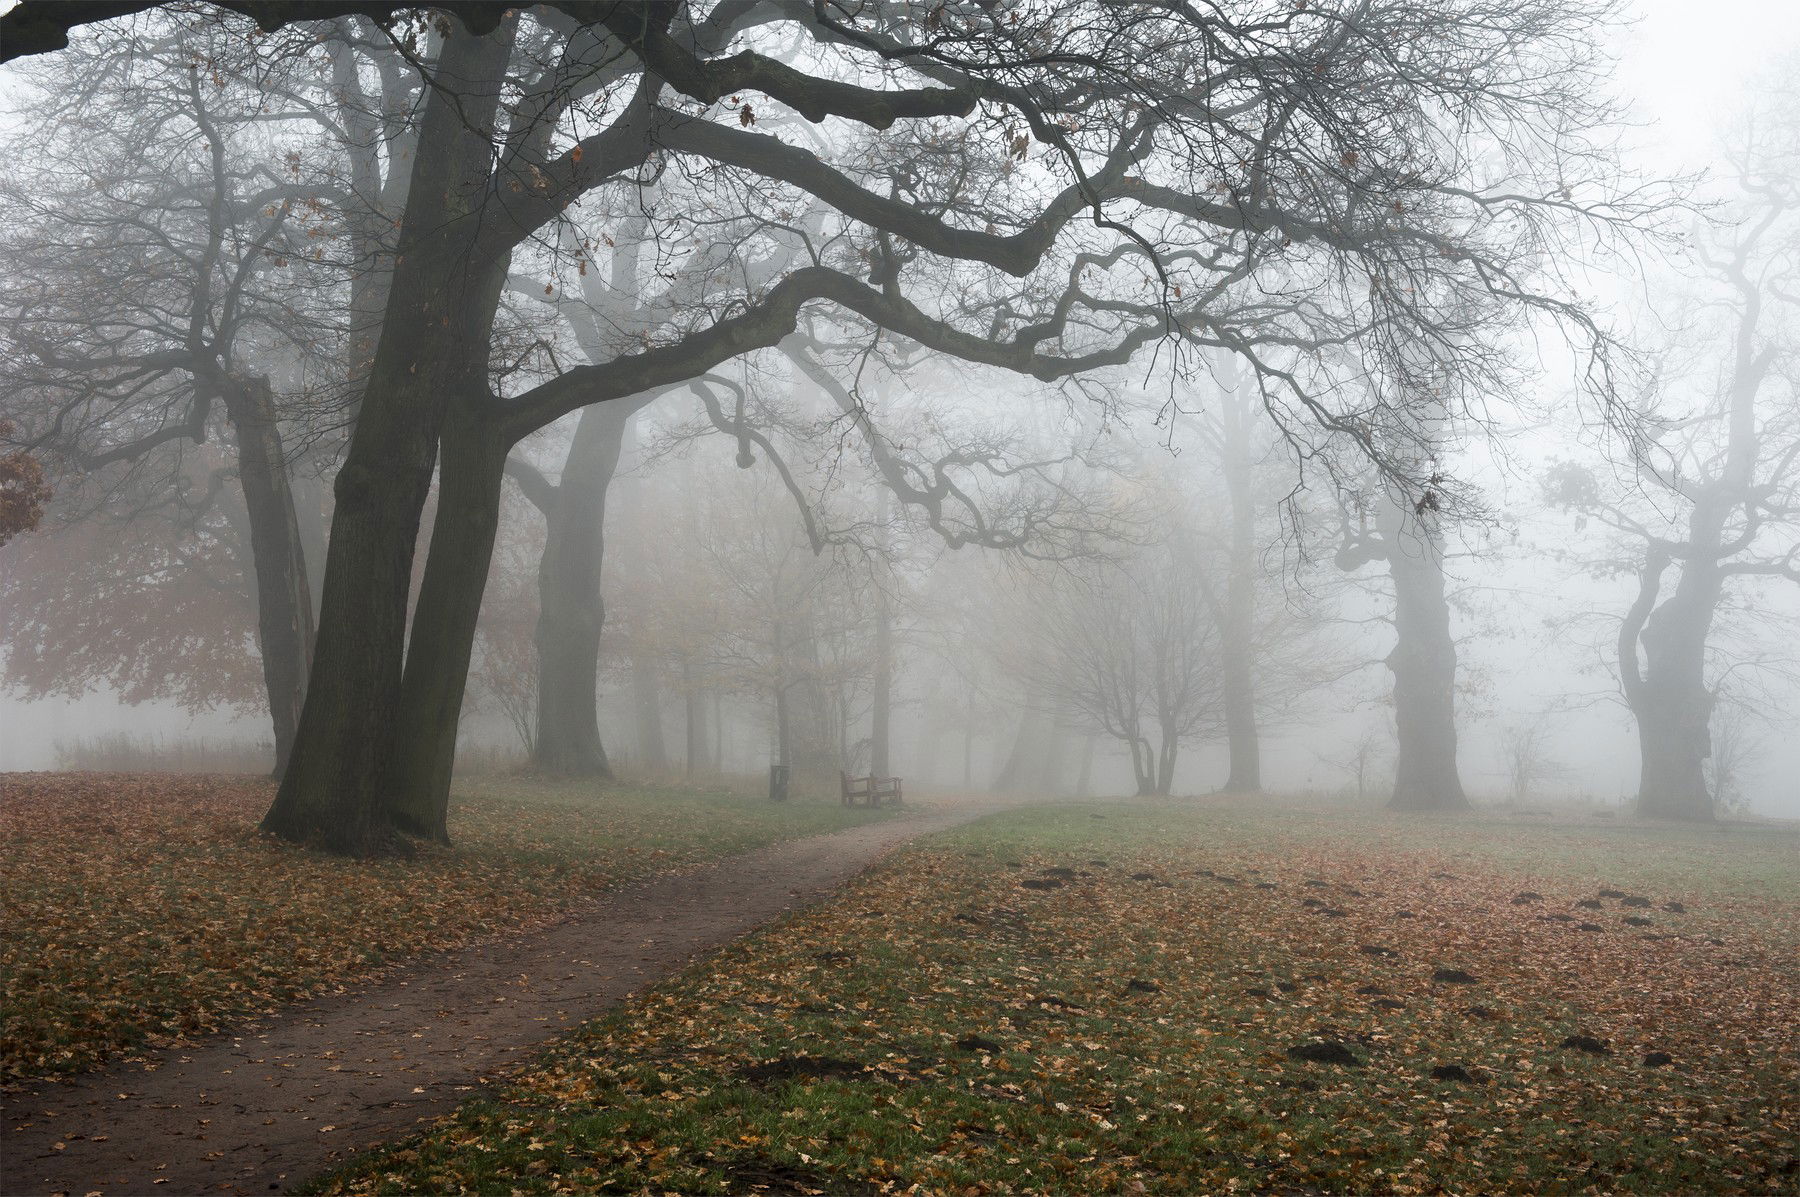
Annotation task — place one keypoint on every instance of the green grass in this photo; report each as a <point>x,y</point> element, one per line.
<point>1088,1084</point>
<point>143,910</point>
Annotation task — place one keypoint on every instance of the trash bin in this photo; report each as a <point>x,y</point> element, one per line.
<point>778,783</point>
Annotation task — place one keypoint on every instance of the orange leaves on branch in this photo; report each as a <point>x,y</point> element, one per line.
<point>23,490</point>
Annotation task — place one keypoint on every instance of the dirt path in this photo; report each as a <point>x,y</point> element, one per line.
<point>259,1112</point>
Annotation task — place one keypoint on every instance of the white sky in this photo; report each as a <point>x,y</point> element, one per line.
<point>1687,63</point>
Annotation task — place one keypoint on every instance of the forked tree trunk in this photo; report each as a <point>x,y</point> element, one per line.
<point>1167,754</point>
<point>1143,766</point>
<point>433,344</point>
<point>472,460</point>
<point>284,606</point>
<point>571,612</point>
<point>1423,662</point>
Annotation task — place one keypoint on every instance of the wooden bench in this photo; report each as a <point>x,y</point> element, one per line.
<point>869,791</point>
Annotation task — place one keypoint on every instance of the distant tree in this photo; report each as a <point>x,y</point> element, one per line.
<point>504,675</point>
<point>1128,648</point>
<point>1735,743</point>
<point>1361,761</point>
<point>174,268</point>
<point>1257,576</point>
<point>1406,536</point>
<point>1525,755</point>
<point>1714,492</point>
<point>151,600</point>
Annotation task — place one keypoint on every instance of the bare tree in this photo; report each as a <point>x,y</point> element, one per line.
<point>1715,492</point>
<point>1406,536</point>
<point>1524,751</point>
<point>1735,743</point>
<point>1129,648</point>
<point>175,265</point>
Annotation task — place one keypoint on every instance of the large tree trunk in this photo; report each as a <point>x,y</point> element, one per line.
<point>1242,740</point>
<point>1237,665</point>
<point>1671,700</point>
<point>571,613</point>
<point>284,606</point>
<point>1423,662</point>
<point>473,462</point>
<point>433,344</point>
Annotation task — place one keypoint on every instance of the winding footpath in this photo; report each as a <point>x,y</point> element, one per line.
<point>263,1110</point>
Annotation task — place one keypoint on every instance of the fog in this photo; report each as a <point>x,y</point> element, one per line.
<point>1285,538</point>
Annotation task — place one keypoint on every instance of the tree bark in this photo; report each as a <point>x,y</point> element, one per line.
<point>472,468</point>
<point>571,612</point>
<point>1237,663</point>
<point>433,344</point>
<point>1423,662</point>
<point>284,606</point>
<point>1672,703</point>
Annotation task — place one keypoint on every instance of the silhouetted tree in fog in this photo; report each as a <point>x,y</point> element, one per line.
<point>1714,497</point>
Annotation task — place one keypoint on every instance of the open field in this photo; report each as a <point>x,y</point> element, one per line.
<point>142,910</point>
<point>1193,998</point>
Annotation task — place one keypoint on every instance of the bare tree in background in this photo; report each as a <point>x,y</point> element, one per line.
<point>1129,648</point>
<point>1735,743</point>
<point>1524,752</point>
<point>176,268</point>
<point>1715,492</point>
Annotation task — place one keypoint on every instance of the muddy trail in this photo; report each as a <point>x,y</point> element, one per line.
<point>263,1110</point>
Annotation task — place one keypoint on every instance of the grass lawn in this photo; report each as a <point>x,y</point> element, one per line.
<point>141,910</point>
<point>1141,1022</point>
